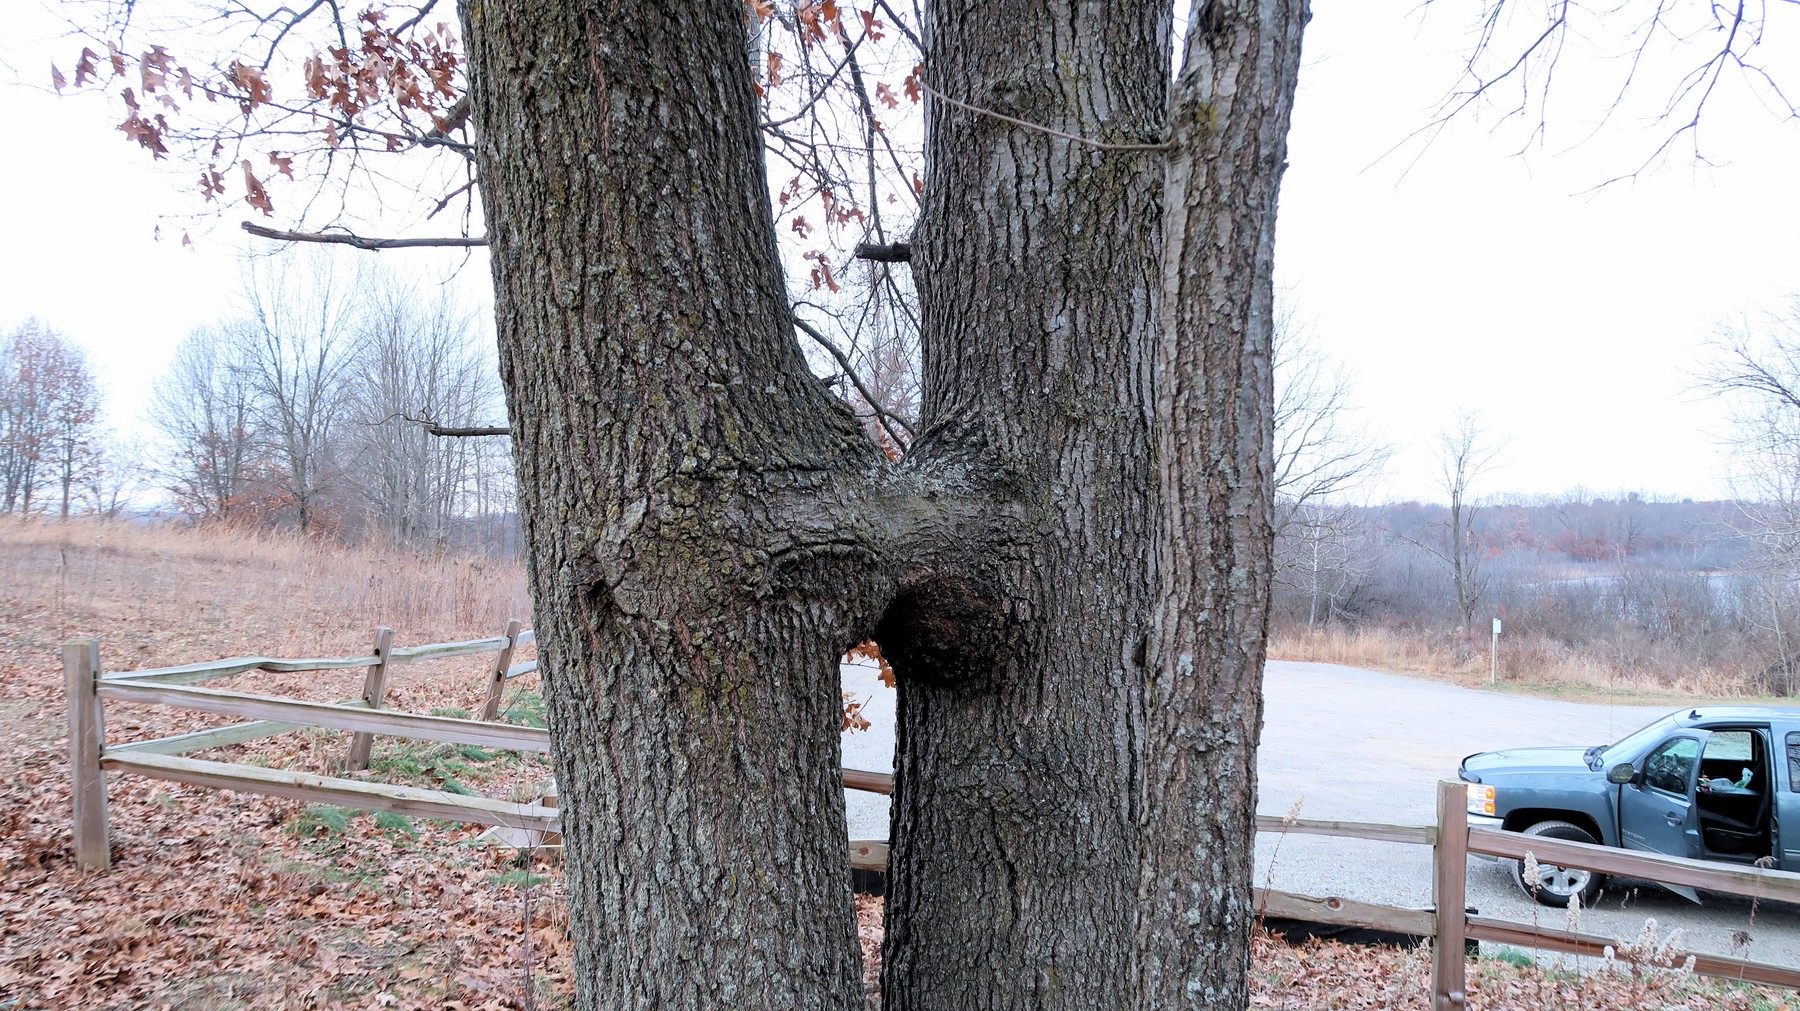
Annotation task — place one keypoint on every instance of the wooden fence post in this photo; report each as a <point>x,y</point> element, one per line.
<point>87,739</point>
<point>374,687</point>
<point>490,710</point>
<point>1449,894</point>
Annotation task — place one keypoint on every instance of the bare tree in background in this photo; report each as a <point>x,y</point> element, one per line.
<point>49,414</point>
<point>297,342</point>
<point>73,409</point>
<point>119,471</point>
<point>1463,453</point>
<point>1324,555</point>
<point>416,363</point>
<point>1319,456</point>
<point>1758,364</point>
<point>205,406</point>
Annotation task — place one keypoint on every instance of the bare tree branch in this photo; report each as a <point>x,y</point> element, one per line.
<point>360,241</point>
<point>447,431</point>
<point>1516,53</point>
<point>900,23</point>
<point>887,420</point>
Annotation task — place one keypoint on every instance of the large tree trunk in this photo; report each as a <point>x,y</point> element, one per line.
<point>707,529</point>
<point>669,438</point>
<point>1013,868</point>
<point>1214,397</point>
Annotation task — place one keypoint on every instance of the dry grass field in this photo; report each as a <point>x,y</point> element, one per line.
<point>221,900</point>
<point>1527,664</point>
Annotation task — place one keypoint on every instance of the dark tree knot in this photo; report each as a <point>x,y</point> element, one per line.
<point>943,630</point>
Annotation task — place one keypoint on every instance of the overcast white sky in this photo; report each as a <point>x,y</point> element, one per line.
<point>1461,278</point>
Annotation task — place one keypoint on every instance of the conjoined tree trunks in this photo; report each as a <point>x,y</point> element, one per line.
<point>708,528</point>
<point>691,637</point>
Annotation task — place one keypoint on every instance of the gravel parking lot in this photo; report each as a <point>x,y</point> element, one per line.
<point>1356,745</point>
<point>1351,744</point>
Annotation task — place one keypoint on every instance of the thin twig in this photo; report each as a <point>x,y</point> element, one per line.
<point>1098,145</point>
<point>452,195</point>
<point>883,417</point>
<point>900,23</point>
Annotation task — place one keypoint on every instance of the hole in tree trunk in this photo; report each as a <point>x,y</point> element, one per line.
<point>942,631</point>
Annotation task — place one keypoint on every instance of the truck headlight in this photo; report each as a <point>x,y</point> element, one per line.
<point>1481,799</point>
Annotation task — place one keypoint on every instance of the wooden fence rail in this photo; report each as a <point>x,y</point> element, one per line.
<point>91,757</point>
<point>1451,839</point>
<point>1449,924</point>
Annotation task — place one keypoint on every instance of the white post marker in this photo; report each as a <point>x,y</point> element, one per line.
<point>1494,655</point>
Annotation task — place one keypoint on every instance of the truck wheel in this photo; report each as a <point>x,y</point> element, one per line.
<point>1556,885</point>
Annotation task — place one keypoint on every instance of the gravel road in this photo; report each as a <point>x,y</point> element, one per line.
<point>1355,745</point>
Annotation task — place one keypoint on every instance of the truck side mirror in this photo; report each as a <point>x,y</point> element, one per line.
<point>1621,774</point>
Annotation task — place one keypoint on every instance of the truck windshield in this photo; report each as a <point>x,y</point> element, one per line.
<point>1634,744</point>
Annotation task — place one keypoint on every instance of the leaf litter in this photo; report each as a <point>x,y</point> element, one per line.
<point>225,900</point>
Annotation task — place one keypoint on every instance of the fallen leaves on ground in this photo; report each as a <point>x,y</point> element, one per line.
<point>224,900</point>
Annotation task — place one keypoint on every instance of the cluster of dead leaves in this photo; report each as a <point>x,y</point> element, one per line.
<point>1329,975</point>
<point>213,897</point>
<point>396,87</point>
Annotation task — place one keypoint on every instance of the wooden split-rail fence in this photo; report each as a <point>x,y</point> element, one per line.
<point>91,755</point>
<point>1452,839</point>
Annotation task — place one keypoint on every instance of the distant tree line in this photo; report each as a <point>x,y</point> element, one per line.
<point>311,408</point>
<point>1661,590</point>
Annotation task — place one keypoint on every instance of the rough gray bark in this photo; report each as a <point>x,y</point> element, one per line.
<point>664,420</point>
<point>708,529</point>
<point>1230,116</point>
<point>1013,863</point>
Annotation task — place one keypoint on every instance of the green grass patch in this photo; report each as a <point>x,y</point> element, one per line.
<point>395,824</point>
<point>426,763</point>
<point>525,707</point>
<point>321,820</point>
<point>517,879</point>
<point>1511,956</point>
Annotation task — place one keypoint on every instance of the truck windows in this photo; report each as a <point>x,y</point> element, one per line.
<point>1793,750</point>
<point>1730,746</point>
<point>1671,766</point>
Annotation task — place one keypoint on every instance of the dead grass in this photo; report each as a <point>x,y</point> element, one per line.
<point>156,589</point>
<point>1529,665</point>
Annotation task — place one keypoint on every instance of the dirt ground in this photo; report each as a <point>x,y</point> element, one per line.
<point>220,900</point>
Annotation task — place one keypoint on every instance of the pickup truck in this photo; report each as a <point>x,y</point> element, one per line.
<point>1709,783</point>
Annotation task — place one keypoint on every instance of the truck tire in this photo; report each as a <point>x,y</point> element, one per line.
<point>1556,885</point>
